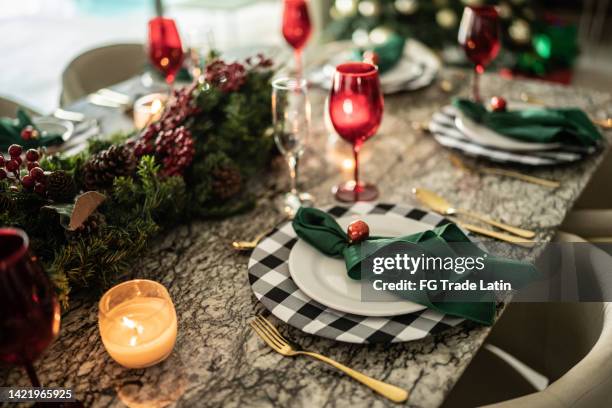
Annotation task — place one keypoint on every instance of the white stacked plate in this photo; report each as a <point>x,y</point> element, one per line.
<point>453,129</point>
<point>417,69</point>
<point>314,293</point>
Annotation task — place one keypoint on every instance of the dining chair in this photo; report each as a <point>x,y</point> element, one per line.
<point>591,217</point>
<point>8,108</point>
<point>568,343</point>
<point>99,68</point>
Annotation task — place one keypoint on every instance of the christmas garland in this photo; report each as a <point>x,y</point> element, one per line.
<point>89,215</point>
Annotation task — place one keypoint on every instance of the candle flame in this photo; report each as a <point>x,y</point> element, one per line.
<point>156,106</point>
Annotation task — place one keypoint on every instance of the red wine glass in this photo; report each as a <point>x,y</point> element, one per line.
<point>296,27</point>
<point>29,312</point>
<point>356,109</point>
<point>165,47</point>
<point>479,36</point>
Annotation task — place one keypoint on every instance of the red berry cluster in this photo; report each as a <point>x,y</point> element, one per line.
<point>227,77</point>
<point>168,139</point>
<point>175,150</point>
<point>32,180</point>
<point>259,61</point>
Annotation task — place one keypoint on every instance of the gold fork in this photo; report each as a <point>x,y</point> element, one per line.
<point>276,341</point>
<point>248,245</point>
<point>461,165</point>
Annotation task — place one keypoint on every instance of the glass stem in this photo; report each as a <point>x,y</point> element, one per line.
<point>356,170</point>
<point>475,84</point>
<point>298,63</point>
<point>293,170</point>
<point>32,374</point>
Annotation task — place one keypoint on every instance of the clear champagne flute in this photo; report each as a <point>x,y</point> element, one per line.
<point>291,119</point>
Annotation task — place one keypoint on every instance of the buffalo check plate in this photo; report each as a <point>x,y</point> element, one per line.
<point>272,284</point>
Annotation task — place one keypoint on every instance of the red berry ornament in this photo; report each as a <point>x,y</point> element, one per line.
<point>498,104</point>
<point>15,150</point>
<point>37,174</point>
<point>33,164</point>
<point>40,188</point>
<point>371,57</point>
<point>357,231</point>
<point>32,155</point>
<point>28,182</point>
<point>12,165</point>
<point>27,132</point>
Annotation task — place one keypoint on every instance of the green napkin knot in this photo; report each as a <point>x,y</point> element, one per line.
<point>568,126</point>
<point>448,241</point>
<point>10,133</point>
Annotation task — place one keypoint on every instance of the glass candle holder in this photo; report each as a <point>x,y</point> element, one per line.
<point>137,323</point>
<point>148,109</point>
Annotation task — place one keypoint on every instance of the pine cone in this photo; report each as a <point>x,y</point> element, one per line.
<point>60,186</point>
<point>6,203</point>
<point>226,182</point>
<point>103,167</point>
<point>91,225</point>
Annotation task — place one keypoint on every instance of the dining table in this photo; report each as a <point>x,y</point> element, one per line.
<point>218,359</point>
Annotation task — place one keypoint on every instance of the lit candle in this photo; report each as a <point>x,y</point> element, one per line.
<point>148,109</point>
<point>137,323</point>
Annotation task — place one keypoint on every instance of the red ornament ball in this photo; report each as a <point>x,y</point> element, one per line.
<point>498,104</point>
<point>37,174</point>
<point>3,174</point>
<point>12,165</point>
<point>28,182</point>
<point>15,150</point>
<point>357,231</point>
<point>371,57</point>
<point>32,155</point>
<point>27,132</point>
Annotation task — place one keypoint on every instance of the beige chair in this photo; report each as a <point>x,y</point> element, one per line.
<point>569,343</point>
<point>591,216</point>
<point>99,68</point>
<point>8,108</point>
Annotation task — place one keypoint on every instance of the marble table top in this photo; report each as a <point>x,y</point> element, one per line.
<point>219,361</point>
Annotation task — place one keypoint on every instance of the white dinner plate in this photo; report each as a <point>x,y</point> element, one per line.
<point>325,279</point>
<point>484,136</point>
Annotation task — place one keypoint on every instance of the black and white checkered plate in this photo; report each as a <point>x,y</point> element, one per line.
<point>272,284</point>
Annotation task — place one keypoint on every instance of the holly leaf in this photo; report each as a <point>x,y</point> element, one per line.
<point>72,216</point>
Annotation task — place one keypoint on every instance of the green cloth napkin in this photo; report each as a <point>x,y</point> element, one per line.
<point>540,125</point>
<point>389,53</point>
<point>322,231</point>
<point>10,133</point>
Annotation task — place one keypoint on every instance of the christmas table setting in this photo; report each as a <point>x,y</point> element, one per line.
<point>146,223</point>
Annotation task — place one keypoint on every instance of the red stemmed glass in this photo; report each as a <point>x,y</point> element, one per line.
<point>296,27</point>
<point>165,47</point>
<point>29,312</point>
<point>480,38</point>
<point>356,109</point>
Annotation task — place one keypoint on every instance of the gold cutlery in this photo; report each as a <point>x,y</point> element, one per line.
<point>248,245</point>
<point>278,343</point>
<point>513,239</point>
<point>460,164</point>
<point>440,205</point>
<point>603,123</point>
